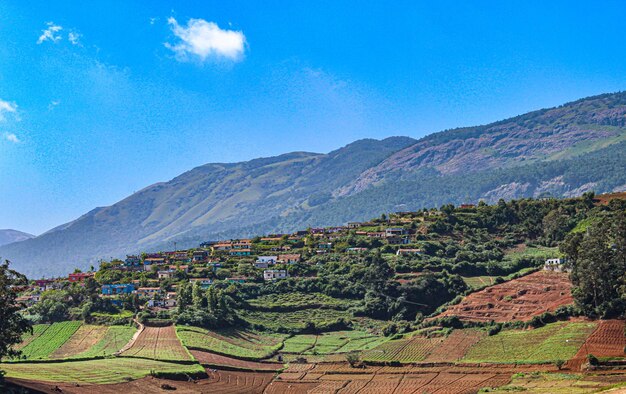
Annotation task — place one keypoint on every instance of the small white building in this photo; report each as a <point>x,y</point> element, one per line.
<point>555,265</point>
<point>267,259</point>
<point>275,274</point>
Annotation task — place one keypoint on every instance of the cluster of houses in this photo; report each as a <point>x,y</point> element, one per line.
<point>273,254</point>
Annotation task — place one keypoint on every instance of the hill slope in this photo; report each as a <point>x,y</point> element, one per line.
<point>563,151</point>
<point>10,236</point>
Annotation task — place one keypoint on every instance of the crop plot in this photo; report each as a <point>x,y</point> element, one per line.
<point>557,341</point>
<point>232,342</point>
<point>519,299</point>
<point>226,382</point>
<point>455,346</point>
<point>295,319</point>
<point>38,329</point>
<point>81,341</point>
<point>408,350</point>
<point>113,340</point>
<point>103,371</point>
<point>299,343</point>
<point>49,340</point>
<point>607,341</point>
<point>216,360</point>
<point>158,343</point>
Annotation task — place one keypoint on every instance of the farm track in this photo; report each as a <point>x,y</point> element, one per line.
<point>516,300</point>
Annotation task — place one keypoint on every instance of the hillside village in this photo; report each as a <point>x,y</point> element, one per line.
<point>454,299</point>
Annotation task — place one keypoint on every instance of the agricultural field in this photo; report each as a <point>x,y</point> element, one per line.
<point>516,300</point>
<point>606,342</point>
<point>407,350</point>
<point>113,340</point>
<point>341,378</point>
<point>81,341</point>
<point>243,344</point>
<point>561,383</point>
<point>477,282</point>
<point>299,343</point>
<point>556,341</point>
<point>217,361</point>
<point>523,251</point>
<point>454,346</point>
<point>102,371</point>
<point>158,343</point>
<point>296,300</point>
<point>48,339</point>
<point>295,320</point>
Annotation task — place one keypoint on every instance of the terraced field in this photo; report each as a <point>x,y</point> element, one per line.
<point>158,343</point>
<point>607,341</point>
<point>217,361</point>
<point>556,341</point>
<point>48,339</point>
<point>243,344</point>
<point>294,320</point>
<point>409,350</point>
<point>297,300</point>
<point>113,340</point>
<point>516,300</point>
<point>81,341</point>
<point>103,371</point>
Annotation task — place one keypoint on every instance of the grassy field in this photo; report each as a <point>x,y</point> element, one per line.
<point>476,282</point>
<point>294,320</point>
<point>556,341</point>
<point>104,371</point>
<point>48,339</point>
<point>298,301</point>
<point>231,342</point>
<point>533,251</point>
<point>299,343</point>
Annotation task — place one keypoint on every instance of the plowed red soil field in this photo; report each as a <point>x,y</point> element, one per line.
<point>607,340</point>
<point>519,299</point>
<point>216,360</point>
<point>158,343</point>
<point>454,346</point>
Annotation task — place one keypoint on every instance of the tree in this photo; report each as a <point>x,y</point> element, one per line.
<point>12,324</point>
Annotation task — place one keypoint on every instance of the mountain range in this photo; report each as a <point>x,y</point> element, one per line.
<point>9,236</point>
<point>560,152</point>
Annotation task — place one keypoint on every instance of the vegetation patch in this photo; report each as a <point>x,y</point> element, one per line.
<point>553,342</point>
<point>49,339</point>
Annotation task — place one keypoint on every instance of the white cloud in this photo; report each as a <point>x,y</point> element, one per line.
<point>51,33</point>
<point>6,107</point>
<point>11,138</point>
<point>74,37</point>
<point>53,104</point>
<point>206,41</point>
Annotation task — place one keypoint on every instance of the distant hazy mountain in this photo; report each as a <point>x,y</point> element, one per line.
<point>564,151</point>
<point>10,236</point>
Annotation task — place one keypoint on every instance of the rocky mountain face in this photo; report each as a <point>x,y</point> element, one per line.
<point>9,236</point>
<point>564,151</point>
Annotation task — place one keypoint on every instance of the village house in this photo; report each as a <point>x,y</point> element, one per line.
<point>221,246</point>
<point>165,274</point>
<point>126,288</point>
<point>165,304</point>
<point>199,256</point>
<point>202,282</point>
<point>274,274</point>
<point>395,231</point>
<point>289,258</point>
<point>467,206</point>
<point>207,244</point>
<point>132,261</point>
<point>242,244</point>
<point>556,265</point>
<point>148,291</point>
<point>397,240</point>
<point>184,268</point>
<point>267,259</point>
<point>261,264</point>
<point>407,252</point>
<point>325,245</point>
<point>46,284</point>
<point>79,276</point>
<point>376,234</point>
<point>354,224</point>
<point>240,252</point>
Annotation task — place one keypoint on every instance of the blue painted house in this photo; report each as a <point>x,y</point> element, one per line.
<point>126,288</point>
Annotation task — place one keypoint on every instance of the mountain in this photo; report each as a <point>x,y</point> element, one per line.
<point>10,236</point>
<point>563,151</point>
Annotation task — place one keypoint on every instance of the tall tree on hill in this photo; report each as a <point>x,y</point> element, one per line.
<point>12,324</point>
<point>598,261</point>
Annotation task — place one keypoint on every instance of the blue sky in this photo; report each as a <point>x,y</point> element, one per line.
<point>99,99</point>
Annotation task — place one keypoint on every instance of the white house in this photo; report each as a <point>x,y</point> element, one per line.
<point>267,259</point>
<point>556,265</point>
<point>275,274</point>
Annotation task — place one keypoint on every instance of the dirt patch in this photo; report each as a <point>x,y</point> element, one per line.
<point>516,300</point>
